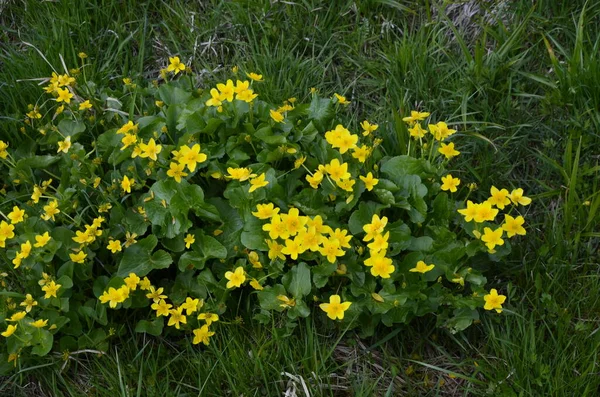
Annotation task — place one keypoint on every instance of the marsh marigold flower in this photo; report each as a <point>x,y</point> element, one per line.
<point>493,301</point>
<point>421,267</point>
<point>335,308</point>
<point>450,183</point>
<point>236,278</point>
<point>175,65</point>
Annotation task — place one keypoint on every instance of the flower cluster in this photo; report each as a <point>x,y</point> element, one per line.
<point>177,202</point>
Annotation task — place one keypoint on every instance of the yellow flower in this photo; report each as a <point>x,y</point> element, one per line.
<point>331,249</point>
<point>177,317</point>
<point>64,95</point>
<point>450,183</point>
<point>341,99</point>
<point>191,305</point>
<point>51,288</point>
<point>39,323</point>
<point>114,246</point>
<point>380,265</point>
<point>470,212</point>
<point>78,257</point>
<point>299,161</point>
<point>258,182</point>
<point>516,196</point>
<point>29,303</point>
<point>335,308</point>
<point>203,335</point>
<point>240,174</point>
<point>448,150</point>
<point>246,96</point>
<point>82,55</point>
<point>132,281</point>
<point>254,76</point>
<point>9,330</point>
<point>275,250</point>
<point>6,232</point>
<point>214,99</point>
<point>369,181</point>
<point>209,318</point>
<point>485,212</point>
<point>127,183</point>
<point>64,146</point>
<point>241,86</point>
<point>276,228</point>
<point>265,211</point>
<point>85,105</point>
<point>65,79</point>
<point>277,116</point>
<point>493,301</point>
<point>226,91</point>
<point>42,239</point>
<point>176,171</point>
<point>440,131</point>
<point>499,198</point>
<point>286,302</point>
<point>361,153</point>
<point>492,238</point>
<point>380,243</point>
<point>175,65</point>
<point>336,170</point>
<point>254,260</point>
<point>161,307</point>
<point>421,267</point>
<point>189,240</point>
<point>375,227</point>
<point>315,179</point>
<point>17,215</point>
<point>128,127</point>
<point>236,278</point>
<point>417,131</point>
<point>150,150</point>
<point>513,226</point>
<point>368,127</point>
<point>155,294</point>
<point>128,140</point>
<point>191,156</point>
<point>17,317</point>
<point>293,248</point>
<point>256,285</point>
<point>293,222</point>
<point>415,116</point>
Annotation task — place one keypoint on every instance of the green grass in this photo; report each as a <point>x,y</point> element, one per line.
<point>522,85</point>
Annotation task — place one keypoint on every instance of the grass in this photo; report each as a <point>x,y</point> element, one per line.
<point>523,87</point>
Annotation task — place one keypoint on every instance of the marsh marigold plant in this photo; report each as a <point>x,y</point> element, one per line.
<point>166,203</point>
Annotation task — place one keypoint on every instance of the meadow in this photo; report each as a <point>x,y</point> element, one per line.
<point>521,82</point>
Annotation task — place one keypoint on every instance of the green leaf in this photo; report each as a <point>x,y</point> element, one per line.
<point>139,259</point>
<point>268,297</point>
<point>320,112</point>
<point>204,248</point>
<point>170,94</point>
<point>153,327</point>
<point>71,128</point>
<point>36,162</point>
<point>266,135</point>
<point>399,166</point>
<point>253,236</point>
<point>297,280</point>
<point>43,340</point>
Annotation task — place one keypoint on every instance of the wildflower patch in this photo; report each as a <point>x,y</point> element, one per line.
<point>170,203</point>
